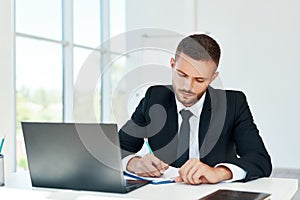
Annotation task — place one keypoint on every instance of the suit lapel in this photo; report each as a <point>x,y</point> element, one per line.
<point>204,118</point>
<point>172,112</point>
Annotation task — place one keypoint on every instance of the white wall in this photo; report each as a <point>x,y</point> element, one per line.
<point>165,23</point>
<point>176,15</point>
<point>260,44</point>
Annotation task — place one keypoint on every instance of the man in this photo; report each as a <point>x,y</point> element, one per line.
<point>208,133</point>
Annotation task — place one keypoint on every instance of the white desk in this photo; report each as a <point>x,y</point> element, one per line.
<point>18,186</point>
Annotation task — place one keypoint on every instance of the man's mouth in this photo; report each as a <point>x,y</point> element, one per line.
<point>186,94</point>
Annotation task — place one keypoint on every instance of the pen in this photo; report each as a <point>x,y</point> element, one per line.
<point>148,145</point>
<point>1,145</point>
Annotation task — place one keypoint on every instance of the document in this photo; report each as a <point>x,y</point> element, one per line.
<point>168,177</point>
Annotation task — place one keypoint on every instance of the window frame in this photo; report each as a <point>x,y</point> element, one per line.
<point>68,46</point>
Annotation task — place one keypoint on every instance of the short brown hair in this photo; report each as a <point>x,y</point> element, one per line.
<point>199,47</point>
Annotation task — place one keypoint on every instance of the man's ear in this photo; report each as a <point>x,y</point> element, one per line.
<point>214,76</point>
<point>172,62</point>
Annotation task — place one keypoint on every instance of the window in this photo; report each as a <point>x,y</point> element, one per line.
<point>87,23</point>
<point>53,39</point>
<point>39,18</point>
<point>38,65</point>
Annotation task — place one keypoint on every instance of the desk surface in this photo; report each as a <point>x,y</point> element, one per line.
<point>18,186</point>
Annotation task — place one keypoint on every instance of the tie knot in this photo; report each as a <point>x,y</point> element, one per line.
<point>186,114</point>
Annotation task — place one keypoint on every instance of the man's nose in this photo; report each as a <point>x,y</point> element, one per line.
<point>188,83</point>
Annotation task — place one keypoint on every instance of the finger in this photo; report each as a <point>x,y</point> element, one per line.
<point>145,168</point>
<point>152,166</point>
<point>197,176</point>
<point>203,180</point>
<point>160,165</point>
<point>164,167</point>
<point>148,173</point>
<point>157,163</point>
<point>184,170</point>
<point>178,179</point>
<point>142,169</point>
<point>183,173</point>
<point>189,164</point>
<point>152,170</point>
<point>192,174</point>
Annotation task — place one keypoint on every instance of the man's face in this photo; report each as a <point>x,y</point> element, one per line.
<point>191,78</point>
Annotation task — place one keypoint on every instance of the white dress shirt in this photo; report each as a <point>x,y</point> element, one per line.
<point>237,172</point>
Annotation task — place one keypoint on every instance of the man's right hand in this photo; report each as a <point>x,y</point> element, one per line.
<point>148,166</point>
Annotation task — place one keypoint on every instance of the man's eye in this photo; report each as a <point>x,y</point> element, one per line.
<point>181,74</point>
<point>200,80</point>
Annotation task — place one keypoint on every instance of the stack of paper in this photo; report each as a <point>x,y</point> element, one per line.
<point>168,177</point>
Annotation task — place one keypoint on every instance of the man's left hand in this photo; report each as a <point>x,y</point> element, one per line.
<point>196,172</point>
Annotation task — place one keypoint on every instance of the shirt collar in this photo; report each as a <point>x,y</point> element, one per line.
<point>195,109</point>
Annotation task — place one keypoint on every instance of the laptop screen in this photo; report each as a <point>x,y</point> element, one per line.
<point>74,156</point>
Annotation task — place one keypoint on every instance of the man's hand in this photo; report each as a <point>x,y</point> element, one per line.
<point>148,166</point>
<point>195,172</point>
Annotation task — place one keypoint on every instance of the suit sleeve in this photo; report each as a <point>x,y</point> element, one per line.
<point>253,156</point>
<point>132,133</point>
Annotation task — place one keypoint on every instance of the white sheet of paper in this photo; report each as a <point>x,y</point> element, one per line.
<point>168,175</point>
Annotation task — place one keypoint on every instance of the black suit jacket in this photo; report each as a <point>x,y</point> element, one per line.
<point>227,133</point>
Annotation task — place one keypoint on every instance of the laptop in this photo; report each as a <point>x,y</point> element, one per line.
<point>76,156</point>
